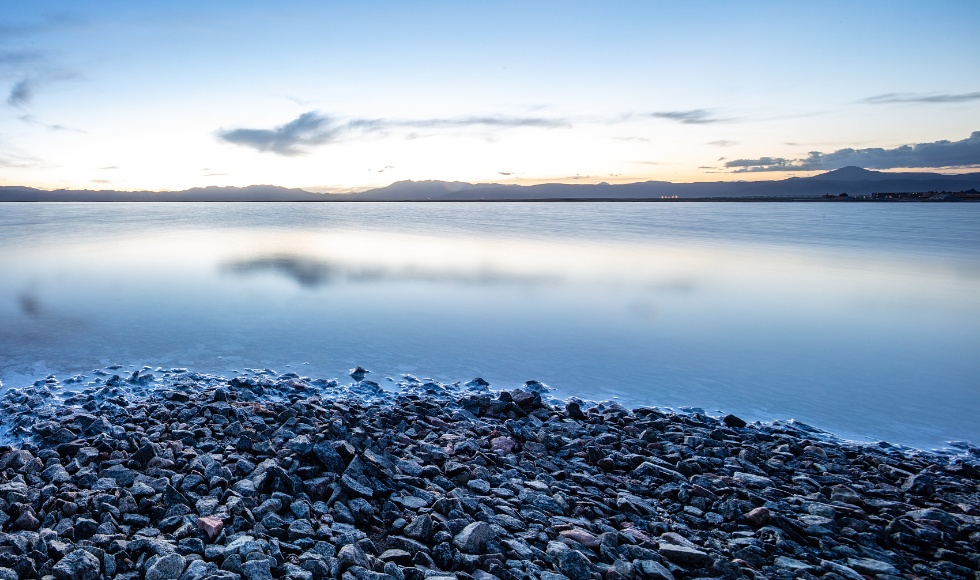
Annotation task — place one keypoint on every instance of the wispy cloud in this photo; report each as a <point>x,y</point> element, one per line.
<point>723,143</point>
<point>19,57</point>
<point>691,117</point>
<point>33,70</point>
<point>965,153</point>
<point>22,92</point>
<point>14,160</point>
<point>312,129</point>
<point>889,98</point>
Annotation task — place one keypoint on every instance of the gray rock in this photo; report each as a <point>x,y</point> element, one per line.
<point>571,562</point>
<point>352,555</point>
<point>420,529</point>
<point>78,565</point>
<point>653,570</point>
<point>257,569</point>
<point>872,567</point>
<point>474,537</point>
<point>683,555</point>
<point>168,567</point>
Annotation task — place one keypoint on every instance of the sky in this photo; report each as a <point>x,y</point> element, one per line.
<point>332,96</point>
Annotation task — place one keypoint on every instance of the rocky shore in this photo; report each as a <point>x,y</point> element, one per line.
<point>278,476</point>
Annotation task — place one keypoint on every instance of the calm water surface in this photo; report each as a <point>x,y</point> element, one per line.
<point>862,319</point>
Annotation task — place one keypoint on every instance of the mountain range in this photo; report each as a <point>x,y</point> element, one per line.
<point>851,180</point>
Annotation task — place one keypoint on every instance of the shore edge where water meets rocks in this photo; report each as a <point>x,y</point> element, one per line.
<point>190,476</point>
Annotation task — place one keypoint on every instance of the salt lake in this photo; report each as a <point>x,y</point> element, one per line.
<point>861,319</point>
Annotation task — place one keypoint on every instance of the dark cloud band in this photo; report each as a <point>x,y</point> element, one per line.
<point>692,117</point>
<point>937,154</point>
<point>312,129</point>
<point>889,98</point>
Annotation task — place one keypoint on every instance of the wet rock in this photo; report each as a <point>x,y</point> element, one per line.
<point>733,421</point>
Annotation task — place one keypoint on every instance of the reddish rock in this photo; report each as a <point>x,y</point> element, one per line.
<point>211,526</point>
<point>502,445</point>
<point>27,520</point>
<point>582,537</point>
<point>759,517</point>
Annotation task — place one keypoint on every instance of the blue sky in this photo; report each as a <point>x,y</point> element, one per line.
<point>346,96</point>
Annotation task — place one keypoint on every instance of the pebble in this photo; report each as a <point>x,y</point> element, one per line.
<point>279,476</point>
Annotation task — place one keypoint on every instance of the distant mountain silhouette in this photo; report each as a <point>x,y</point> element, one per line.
<point>250,193</point>
<point>851,180</point>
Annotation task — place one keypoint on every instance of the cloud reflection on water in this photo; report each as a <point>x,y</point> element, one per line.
<point>311,272</point>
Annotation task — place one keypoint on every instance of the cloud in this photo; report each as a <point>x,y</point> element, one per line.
<point>312,129</point>
<point>889,98</point>
<point>17,161</point>
<point>722,143</point>
<point>22,92</point>
<point>965,153</point>
<point>19,57</point>
<point>692,117</point>
<point>307,130</point>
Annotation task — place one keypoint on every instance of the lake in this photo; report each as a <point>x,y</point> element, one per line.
<point>861,319</point>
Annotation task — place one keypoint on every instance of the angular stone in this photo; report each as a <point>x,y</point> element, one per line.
<point>420,529</point>
<point>257,569</point>
<point>78,565</point>
<point>683,555</point>
<point>653,570</point>
<point>582,537</point>
<point>872,567</point>
<point>474,537</point>
<point>210,525</point>
<point>758,517</point>
<point>168,567</point>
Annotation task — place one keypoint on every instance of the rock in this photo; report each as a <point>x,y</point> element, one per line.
<point>397,556</point>
<point>582,537</point>
<point>473,538</point>
<point>352,555</point>
<point>480,486</point>
<point>733,421</point>
<point>211,526</point>
<point>257,570</point>
<point>571,562</point>
<point>574,411</point>
<point>329,457</point>
<point>27,520</point>
<point>872,567</point>
<point>78,565</point>
<point>168,567</point>
<point>791,564</point>
<point>421,529</point>
<point>502,445</point>
<point>752,480</point>
<point>652,570</point>
<point>758,517</point>
<point>920,484</point>
<point>683,555</point>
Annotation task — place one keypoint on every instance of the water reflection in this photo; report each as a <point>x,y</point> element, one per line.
<point>312,272</point>
<point>846,322</point>
<point>29,304</point>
